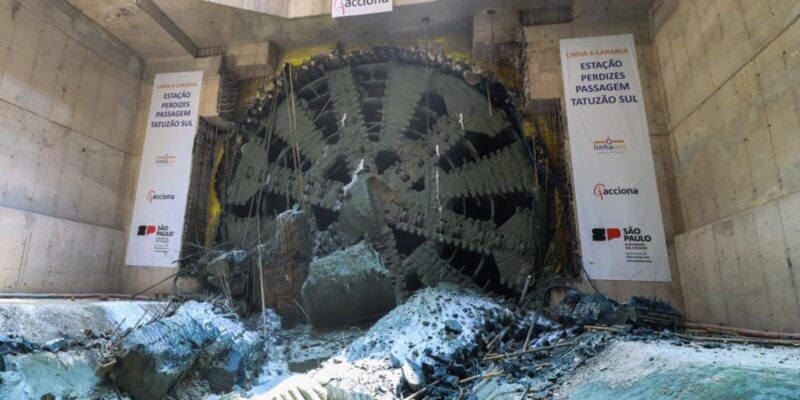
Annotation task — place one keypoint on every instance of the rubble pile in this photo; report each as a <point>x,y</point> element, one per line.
<point>49,349</point>
<point>291,353</point>
<point>195,342</point>
<point>436,332</point>
<point>445,342</point>
<point>307,348</point>
<point>63,374</point>
<point>533,355</point>
<point>452,342</point>
<point>348,286</point>
<point>281,253</point>
<point>227,271</point>
<point>448,342</point>
<point>14,344</point>
<point>285,264</point>
<point>585,309</point>
<point>641,311</point>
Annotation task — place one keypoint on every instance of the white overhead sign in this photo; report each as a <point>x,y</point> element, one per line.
<point>165,169</point>
<point>619,216</point>
<point>347,8</point>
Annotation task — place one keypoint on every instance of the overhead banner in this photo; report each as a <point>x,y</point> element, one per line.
<point>619,216</point>
<point>164,171</point>
<point>348,8</point>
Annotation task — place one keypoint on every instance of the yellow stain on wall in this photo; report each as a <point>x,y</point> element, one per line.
<point>544,127</point>
<point>508,76</point>
<point>301,55</point>
<point>214,212</point>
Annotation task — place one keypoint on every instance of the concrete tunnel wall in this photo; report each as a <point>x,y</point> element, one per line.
<point>68,98</point>
<point>73,110</point>
<point>731,78</point>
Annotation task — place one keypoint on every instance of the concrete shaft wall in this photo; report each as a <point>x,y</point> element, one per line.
<point>68,99</point>
<point>731,78</point>
<point>544,82</point>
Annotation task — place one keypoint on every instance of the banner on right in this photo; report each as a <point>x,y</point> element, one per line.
<point>619,216</point>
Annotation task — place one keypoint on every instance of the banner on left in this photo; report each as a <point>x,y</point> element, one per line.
<point>154,238</point>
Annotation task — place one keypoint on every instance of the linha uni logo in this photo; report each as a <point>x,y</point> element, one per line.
<point>609,145</point>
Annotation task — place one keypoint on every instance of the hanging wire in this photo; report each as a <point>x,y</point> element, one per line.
<point>257,199</point>
<point>492,62</point>
<point>438,202</point>
<point>260,250</point>
<point>270,128</point>
<point>288,79</point>
<point>425,22</point>
<point>491,49</point>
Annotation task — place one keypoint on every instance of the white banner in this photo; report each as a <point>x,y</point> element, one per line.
<point>619,217</point>
<point>164,171</point>
<point>348,8</point>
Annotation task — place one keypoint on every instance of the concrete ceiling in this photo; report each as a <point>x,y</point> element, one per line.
<point>131,25</point>
<point>603,8</point>
<point>209,24</point>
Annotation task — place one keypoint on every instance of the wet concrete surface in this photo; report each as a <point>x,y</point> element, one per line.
<point>198,339</point>
<point>700,383</point>
<point>63,342</point>
<point>48,319</point>
<point>662,370</point>
<point>68,374</point>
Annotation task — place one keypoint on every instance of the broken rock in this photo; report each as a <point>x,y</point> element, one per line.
<point>586,309</point>
<point>195,339</point>
<point>308,348</point>
<point>348,286</point>
<point>285,266</point>
<point>226,264</point>
<point>452,326</point>
<point>55,345</point>
<point>414,332</point>
<point>234,364</point>
<point>652,313</point>
<point>413,375</point>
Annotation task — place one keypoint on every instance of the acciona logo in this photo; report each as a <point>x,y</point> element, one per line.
<point>342,8</point>
<point>601,191</point>
<point>361,3</point>
<point>153,196</point>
